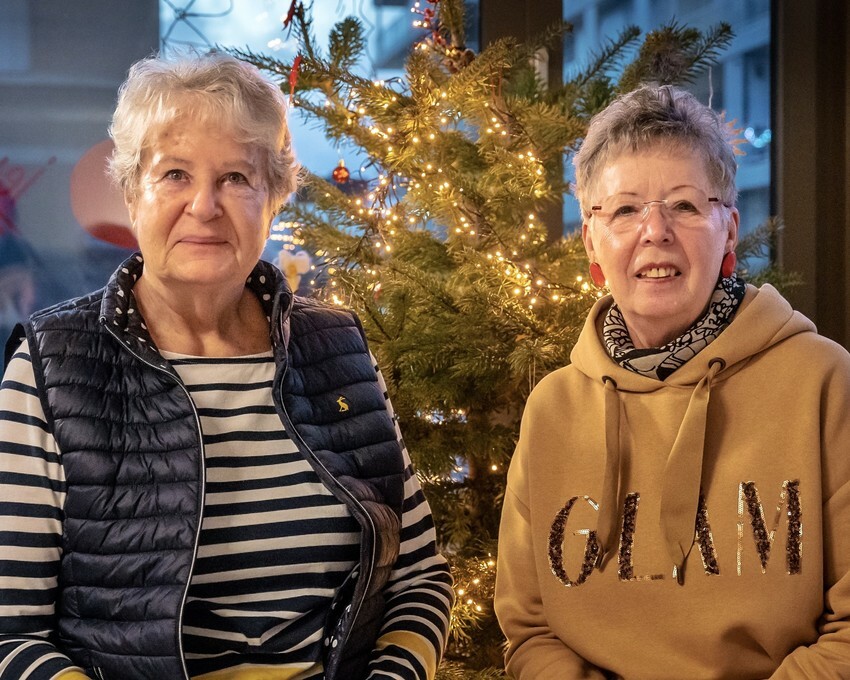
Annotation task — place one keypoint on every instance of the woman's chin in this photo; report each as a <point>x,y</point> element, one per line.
<point>210,273</point>
<point>203,265</point>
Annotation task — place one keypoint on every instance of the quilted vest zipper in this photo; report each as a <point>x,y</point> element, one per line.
<point>203,480</point>
<point>368,576</point>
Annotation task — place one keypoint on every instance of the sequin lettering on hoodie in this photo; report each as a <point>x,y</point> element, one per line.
<point>627,537</point>
<point>789,498</point>
<point>556,544</point>
<point>705,540</point>
<point>627,542</point>
<point>794,549</point>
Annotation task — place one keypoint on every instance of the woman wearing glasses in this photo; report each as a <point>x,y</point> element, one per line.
<point>678,503</point>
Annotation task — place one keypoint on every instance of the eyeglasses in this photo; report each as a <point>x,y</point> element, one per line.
<point>687,206</point>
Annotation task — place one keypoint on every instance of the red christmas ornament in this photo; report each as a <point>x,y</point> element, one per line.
<point>340,173</point>
<point>293,75</point>
<point>290,14</point>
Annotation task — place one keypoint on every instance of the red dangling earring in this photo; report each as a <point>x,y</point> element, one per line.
<point>727,268</point>
<point>596,274</point>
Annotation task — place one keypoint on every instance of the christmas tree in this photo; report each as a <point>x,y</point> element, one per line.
<point>467,296</point>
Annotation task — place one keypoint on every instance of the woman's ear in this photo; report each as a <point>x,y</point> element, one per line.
<point>269,221</point>
<point>734,224</point>
<point>130,202</point>
<point>587,239</point>
<point>272,210</point>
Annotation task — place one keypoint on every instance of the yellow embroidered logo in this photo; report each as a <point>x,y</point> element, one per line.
<point>343,407</point>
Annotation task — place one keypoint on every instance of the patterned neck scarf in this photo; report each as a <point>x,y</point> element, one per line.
<point>660,362</point>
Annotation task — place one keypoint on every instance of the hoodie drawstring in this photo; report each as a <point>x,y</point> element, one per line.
<point>607,526</point>
<point>683,475</point>
<point>680,488</point>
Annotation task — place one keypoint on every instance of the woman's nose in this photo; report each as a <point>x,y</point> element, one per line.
<point>205,202</point>
<point>656,224</point>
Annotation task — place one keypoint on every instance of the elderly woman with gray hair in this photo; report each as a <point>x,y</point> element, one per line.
<point>678,503</point>
<point>200,474</point>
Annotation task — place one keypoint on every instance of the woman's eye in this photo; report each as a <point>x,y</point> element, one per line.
<point>684,206</point>
<point>235,178</point>
<point>175,175</point>
<point>624,211</point>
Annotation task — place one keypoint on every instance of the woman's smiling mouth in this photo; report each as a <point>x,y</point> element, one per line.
<point>658,273</point>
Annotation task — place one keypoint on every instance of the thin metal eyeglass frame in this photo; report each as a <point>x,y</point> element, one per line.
<point>648,206</point>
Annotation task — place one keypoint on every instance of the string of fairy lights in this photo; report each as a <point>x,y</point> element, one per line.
<point>381,213</point>
<point>475,587</point>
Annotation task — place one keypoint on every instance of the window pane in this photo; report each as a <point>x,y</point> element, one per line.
<point>60,67</point>
<point>614,15</point>
<point>14,37</point>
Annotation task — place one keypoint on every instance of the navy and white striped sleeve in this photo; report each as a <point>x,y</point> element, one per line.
<point>32,491</point>
<point>419,592</point>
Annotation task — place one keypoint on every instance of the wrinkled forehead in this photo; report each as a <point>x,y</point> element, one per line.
<point>198,131</point>
<point>652,171</point>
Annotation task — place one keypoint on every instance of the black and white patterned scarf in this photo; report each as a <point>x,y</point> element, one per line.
<point>660,362</point>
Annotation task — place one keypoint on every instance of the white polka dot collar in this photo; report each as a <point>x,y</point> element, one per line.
<point>119,310</point>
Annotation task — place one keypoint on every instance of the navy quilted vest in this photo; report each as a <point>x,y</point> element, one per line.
<point>133,460</point>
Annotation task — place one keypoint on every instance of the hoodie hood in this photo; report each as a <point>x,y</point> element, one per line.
<point>763,320</point>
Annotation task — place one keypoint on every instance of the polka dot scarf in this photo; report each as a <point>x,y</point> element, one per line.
<point>660,362</point>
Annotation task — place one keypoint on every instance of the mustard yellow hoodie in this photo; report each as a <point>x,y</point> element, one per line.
<point>695,528</point>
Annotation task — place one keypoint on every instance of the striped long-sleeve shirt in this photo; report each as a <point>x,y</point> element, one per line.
<point>275,544</point>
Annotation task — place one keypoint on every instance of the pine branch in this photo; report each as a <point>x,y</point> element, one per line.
<point>591,90</point>
<point>451,670</point>
<point>264,62</point>
<point>429,286</point>
<point>607,57</point>
<point>346,43</point>
<point>451,22</point>
<point>551,36</point>
<point>471,87</point>
<point>761,244</point>
<point>707,49</point>
<point>303,26</point>
<point>674,54</point>
<point>760,241</point>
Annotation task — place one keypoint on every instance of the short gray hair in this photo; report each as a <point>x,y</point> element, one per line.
<point>213,87</point>
<point>652,115</point>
